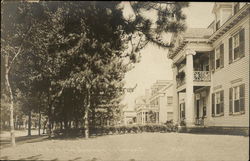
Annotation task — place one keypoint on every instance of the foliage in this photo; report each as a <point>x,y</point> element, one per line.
<point>110,130</point>
<point>70,58</point>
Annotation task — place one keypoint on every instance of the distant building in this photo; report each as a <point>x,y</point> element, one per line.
<point>129,116</point>
<point>157,105</point>
<point>211,65</point>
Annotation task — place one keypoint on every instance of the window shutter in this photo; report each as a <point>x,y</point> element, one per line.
<point>230,101</point>
<point>242,98</point>
<point>242,42</point>
<point>222,55</point>
<point>212,60</point>
<point>213,104</point>
<point>222,102</point>
<point>230,50</point>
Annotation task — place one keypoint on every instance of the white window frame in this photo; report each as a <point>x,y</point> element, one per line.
<point>170,100</point>
<point>237,96</point>
<point>217,102</point>
<point>217,54</point>
<point>237,34</point>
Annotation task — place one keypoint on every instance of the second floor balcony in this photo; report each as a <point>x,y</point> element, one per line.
<point>199,77</point>
<point>202,76</point>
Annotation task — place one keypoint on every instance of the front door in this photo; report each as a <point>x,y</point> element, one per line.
<point>204,107</point>
<point>198,108</point>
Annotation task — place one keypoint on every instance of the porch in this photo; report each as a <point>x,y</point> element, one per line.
<point>201,75</point>
<point>193,77</point>
<point>199,109</point>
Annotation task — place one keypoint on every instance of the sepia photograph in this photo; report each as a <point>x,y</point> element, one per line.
<point>124,80</point>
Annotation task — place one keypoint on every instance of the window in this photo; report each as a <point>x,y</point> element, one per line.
<point>217,59</point>
<point>236,42</point>
<point>237,99</point>
<point>219,56</point>
<point>170,100</point>
<point>182,110</point>
<point>237,46</point>
<point>218,103</point>
<point>217,97</point>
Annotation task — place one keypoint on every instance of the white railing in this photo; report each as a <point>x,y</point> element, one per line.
<point>202,76</point>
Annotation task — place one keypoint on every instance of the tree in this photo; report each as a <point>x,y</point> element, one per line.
<point>15,28</point>
<point>80,47</point>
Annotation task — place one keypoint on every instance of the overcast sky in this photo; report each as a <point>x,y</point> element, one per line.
<point>154,64</point>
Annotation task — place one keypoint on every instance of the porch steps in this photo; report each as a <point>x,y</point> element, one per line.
<point>242,131</point>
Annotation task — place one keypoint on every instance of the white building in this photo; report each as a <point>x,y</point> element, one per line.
<point>157,104</point>
<point>129,117</point>
<point>211,65</point>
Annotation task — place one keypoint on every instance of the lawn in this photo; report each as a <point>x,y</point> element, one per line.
<point>134,147</point>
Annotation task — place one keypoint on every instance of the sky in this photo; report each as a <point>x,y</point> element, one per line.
<point>154,64</point>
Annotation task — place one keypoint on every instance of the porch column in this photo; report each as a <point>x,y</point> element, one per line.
<point>143,117</point>
<point>175,96</point>
<point>190,118</point>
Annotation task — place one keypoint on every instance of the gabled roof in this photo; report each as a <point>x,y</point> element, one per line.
<point>197,33</point>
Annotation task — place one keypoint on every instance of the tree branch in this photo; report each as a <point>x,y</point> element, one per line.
<point>18,51</point>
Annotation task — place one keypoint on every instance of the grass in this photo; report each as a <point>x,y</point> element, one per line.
<point>134,147</point>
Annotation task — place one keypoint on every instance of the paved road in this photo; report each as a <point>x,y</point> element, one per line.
<point>136,147</point>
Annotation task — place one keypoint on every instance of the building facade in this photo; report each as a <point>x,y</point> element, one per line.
<point>211,66</point>
<point>129,117</point>
<point>157,104</point>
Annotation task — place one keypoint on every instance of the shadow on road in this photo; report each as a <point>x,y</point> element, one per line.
<point>5,142</point>
<point>39,157</point>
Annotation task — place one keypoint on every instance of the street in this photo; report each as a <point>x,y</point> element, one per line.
<point>145,146</point>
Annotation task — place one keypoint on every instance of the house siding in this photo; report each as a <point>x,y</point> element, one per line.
<point>221,79</point>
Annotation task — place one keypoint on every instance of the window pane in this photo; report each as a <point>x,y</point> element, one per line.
<point>236,106</point>
<point>236,53</point>
<point>217,63</point>
<point>236,93</point>
<point>217,108</point>
<point>217,98</point>
<point>236,40</point>
<point>170,100</point>
<point>218,53</point>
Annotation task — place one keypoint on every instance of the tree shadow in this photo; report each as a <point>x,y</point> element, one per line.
<point>77,158</point>
<point>23,139</point>
<point>34,157</point>
<point>39,157</point>
<point>4,158</point>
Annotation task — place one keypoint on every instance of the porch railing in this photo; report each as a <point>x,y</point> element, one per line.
<point>202,76</point>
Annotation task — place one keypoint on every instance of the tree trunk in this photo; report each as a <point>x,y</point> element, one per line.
<point>29,125</point>
<point>49,122</point>
<point>49,114</point>
<point>44,126</point>
<point>86,116</point>
<point>86,124</point>
<point>93,120</point>
<point>12,131</point>
<point>39,122</point>
<point>61,125</point>
<point>76,123</point>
